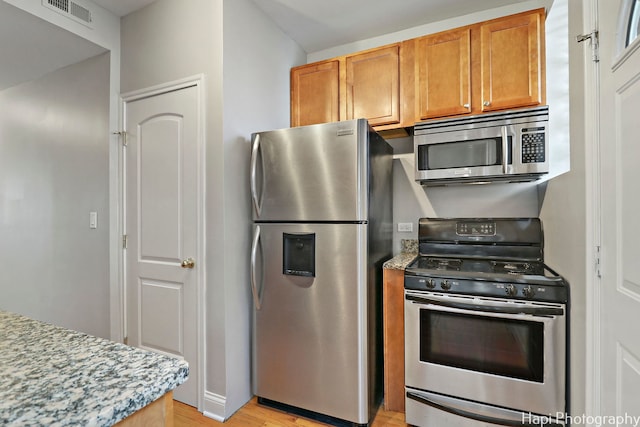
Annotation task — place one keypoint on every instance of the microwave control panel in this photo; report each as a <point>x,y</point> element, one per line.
<point>533,145</point>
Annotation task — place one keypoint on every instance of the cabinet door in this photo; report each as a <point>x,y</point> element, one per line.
<point>373,86</point>
<point>512,57</point>
<point>443,69</point>
<point>315,95</point>
<point>393,338</point>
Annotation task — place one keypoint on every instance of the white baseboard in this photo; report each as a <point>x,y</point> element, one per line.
<point>214,406</point>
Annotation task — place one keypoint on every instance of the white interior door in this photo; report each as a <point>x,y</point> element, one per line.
<point>162,231</point>
<point>619,138</point>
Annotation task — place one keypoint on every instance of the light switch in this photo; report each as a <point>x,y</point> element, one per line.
<point>405,227</point>
<point>93,219</point>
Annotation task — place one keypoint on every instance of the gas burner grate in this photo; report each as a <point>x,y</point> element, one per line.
<point>447,264</point>
<point>511,267</point>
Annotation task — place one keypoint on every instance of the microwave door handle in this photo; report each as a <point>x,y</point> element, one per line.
<point>255,146</point>
<point>505,147</point>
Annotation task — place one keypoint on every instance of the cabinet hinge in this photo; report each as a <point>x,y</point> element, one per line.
<point>597,262</point>
<point>593,42</point>
<point>123,135</point>
<point>125,241</point>
<point>126,340</point>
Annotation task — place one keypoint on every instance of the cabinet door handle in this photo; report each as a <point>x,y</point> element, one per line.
<point>467,106</point>
<point>486,103</point>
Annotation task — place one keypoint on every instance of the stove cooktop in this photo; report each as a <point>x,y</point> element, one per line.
<point>480,266</point>
<point>500,258</point>
<point>491,278</point>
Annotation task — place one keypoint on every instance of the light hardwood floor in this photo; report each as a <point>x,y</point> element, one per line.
<point>254,415</point>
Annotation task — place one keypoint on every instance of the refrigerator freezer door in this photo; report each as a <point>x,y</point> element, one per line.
<point>311,173</point>
<point>310,331</point>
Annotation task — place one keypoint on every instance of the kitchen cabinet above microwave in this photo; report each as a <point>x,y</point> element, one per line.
<point>488,66</point>
<point>494,65</point>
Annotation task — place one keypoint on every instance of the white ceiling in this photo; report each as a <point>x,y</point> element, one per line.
<point>319,24</point>
<point>122,7</point>
<point>31,47</point>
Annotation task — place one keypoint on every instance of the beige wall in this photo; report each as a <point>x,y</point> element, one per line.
<point>54,170</point>
<point>104,35</point>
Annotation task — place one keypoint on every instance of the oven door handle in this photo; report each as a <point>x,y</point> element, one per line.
<point>477,417</point>
<point>503,309</point>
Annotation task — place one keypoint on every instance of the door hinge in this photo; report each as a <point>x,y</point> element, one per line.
<point>593,38</point>
<point>597,262</point>
<point>125,241</point>
<point>123,135</point>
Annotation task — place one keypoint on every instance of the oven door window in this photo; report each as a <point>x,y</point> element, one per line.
<point>505,347</point>
<point>462,154</point>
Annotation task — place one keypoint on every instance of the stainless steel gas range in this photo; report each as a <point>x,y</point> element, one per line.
<point>486,326</point>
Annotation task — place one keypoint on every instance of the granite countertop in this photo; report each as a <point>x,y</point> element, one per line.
<point>51,376</point>
<point>409,250</point>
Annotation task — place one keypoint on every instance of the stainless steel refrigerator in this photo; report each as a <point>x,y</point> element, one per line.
<point>322,211</point>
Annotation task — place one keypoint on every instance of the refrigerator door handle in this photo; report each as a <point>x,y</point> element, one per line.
<point>255,147</point>
<point>254,282</point>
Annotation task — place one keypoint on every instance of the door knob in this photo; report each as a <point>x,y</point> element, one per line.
<point>188,263</point>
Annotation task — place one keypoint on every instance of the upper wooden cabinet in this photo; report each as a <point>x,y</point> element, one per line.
<point>373,86</point>
<point>315,93</point>
<point>512,52</point>
<point>363,85</point>
<point>443,74</point>
<point>492,65</point>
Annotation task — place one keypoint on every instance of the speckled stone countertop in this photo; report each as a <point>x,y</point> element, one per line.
<point>51,376</point>
<point>409,250</point>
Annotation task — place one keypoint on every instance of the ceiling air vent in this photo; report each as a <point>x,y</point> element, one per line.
<point>70,9</point>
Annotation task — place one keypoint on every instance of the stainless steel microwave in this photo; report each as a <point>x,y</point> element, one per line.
<point>508,146</point>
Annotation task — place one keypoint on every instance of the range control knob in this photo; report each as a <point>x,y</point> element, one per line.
<point>445,285</point>
<point>431,283</point>
<point>528,292</point>
<point>511,290</point>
